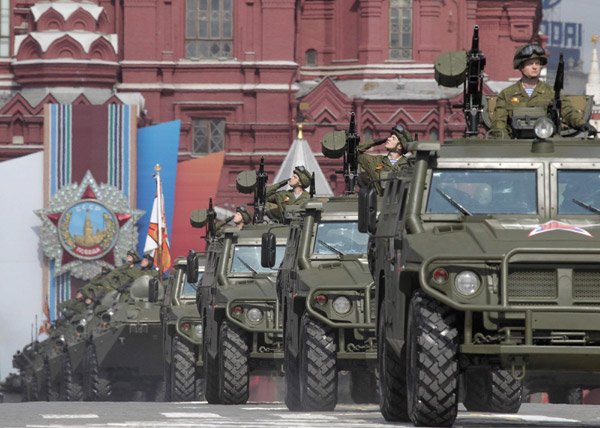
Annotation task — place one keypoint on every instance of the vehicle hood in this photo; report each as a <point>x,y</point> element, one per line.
<point>499,236</point>
<point>335,274</point>
<point>257,288</point>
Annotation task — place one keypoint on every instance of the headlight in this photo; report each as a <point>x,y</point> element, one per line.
<point>198,331</point>
<point>440,275</point>
<point>255,315</point>
<point>82,322</point>
<point>110,311</point>
<point>106,316</point>
<point>341,305</point>
<point>543,128</point>
<point>467,283</point>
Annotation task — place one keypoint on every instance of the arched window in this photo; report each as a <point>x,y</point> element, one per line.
<point>208,29</point>
<point>401,29</point>
<point>367,135</point>
<point>434,134</point>
<point>311,57</point>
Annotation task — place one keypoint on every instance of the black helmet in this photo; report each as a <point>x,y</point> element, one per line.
<point>304,175</point>
<point>149,258</point>
<point>530,51</point>
<point>135,255</point>
<point>246,216</point>
<point>403,136</point>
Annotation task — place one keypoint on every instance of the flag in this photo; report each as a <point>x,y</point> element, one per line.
<point>45,327</point>
<point>157,241</point>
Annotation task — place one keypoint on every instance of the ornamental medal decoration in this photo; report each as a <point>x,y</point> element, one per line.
<point>88,226</point>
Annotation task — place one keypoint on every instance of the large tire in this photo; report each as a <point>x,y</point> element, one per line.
<point>73,389</point>
<point>52,389</point>
<point>566,396</point>
<point>363,386</point>
<point>100,385</point>
<point>211,377</point>
<point>392,376</point>
<point>183,372</point>
<point>492,390</point>
<point>318,366</point>
<point>292,370</point>
<point>234,381</point>
<point>432,362</point>
<point>30,390</point>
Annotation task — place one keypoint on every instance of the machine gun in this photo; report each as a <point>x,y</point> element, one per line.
<point>260,192</point>
<point>473,86</point>
<point>555,106</point>
<point>211,217</point>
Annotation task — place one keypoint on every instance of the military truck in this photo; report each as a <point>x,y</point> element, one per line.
<point>485,267</point>
<point>124,351</point>
<point>182,332</point>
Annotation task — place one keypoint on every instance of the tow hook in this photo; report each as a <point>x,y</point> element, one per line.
<point>517,368</point>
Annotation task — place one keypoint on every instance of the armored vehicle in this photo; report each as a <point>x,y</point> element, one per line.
<point>24,360</point>
<point>238,304</point>
<point>485,267</point>
<point>325,292</point>
<point>124,352</point>
<point>182,333</point>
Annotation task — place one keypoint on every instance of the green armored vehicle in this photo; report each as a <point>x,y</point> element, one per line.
<point>24,361</point>
<point>124,351</point>
<point>182,332</point>
<point>486,268</point>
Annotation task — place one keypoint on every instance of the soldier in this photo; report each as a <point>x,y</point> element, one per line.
<point>241,218</point>
<point>301,179</point>
<point>530,91</point>
<point>397,157</point>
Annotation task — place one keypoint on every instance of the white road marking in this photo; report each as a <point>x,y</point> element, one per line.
<point>264,408</point>
<point>190,415</point>
<point>304,416</point>
<point>513,417</point>
<point>88,416</point>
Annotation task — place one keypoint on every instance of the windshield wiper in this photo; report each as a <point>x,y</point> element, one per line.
<point>453,202</point>
<point>331,247</point>
<point>586,206</point>
<point>247,265</point>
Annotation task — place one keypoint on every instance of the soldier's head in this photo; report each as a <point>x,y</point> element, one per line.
<point>398,140</point>
<point>301,177</point>
<point>529,60</point>
<point>132,256</point>
<point>79,294</point>
<point>147,261</point>
<point>242,216</point>
<point>89,298</point>
<point>105,270</point>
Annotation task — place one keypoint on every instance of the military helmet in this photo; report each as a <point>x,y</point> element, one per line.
<point>246,216</point>
<point>134,254</point>
<point>530,51</point>
<point>149,258</point>
<point>304,175</point>
<point>403,136</point>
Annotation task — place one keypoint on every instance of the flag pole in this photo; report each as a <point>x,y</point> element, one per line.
<point>157,168</point>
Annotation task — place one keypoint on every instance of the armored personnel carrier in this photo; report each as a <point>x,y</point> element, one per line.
<point>182,331</point>
<point>124,351</point>
<point>485,267</point>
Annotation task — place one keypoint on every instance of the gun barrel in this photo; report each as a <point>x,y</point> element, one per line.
<point>475,42</point>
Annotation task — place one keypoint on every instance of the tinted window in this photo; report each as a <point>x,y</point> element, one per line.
<point>189,289</point>
<point>483,192</point>
<point>578,192</point>
<point>340,237</point>
<point>246,259</point>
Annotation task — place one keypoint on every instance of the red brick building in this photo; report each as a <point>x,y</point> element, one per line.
<point>240,74</point>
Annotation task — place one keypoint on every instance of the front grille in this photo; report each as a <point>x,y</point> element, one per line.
<point>586,284</point>
<point>532,284</point>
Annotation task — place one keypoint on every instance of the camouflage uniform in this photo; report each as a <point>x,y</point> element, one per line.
<point>374,165</point>
<point>515,97</point>
<point>288,197</point>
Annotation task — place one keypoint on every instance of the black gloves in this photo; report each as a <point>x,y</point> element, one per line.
<point>380,141</point>
<point>586,127</point>
<point>282,183</point>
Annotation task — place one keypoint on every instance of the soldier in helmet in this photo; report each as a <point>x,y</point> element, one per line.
<point>397,157</point>
<point>241,218</point>
<point>530,91</point>
<point>301,179</point>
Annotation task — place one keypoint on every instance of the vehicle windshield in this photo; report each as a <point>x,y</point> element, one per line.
<point>579,192</point>
<point>189,289</point>
<point>246,259</point>
<point>482,192</point>
<point>340,238</point>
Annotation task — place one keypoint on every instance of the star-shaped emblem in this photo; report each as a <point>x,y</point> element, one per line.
<point>87,226</point>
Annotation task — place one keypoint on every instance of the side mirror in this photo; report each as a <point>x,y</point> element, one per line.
<point>268,250</point>
<point>367,210</point>
<point>192,267</point>
<point>153,290</point>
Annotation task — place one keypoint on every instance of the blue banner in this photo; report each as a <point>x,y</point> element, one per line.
<point>158,144</point>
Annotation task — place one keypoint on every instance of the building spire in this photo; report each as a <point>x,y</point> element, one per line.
<point>593,83</point>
